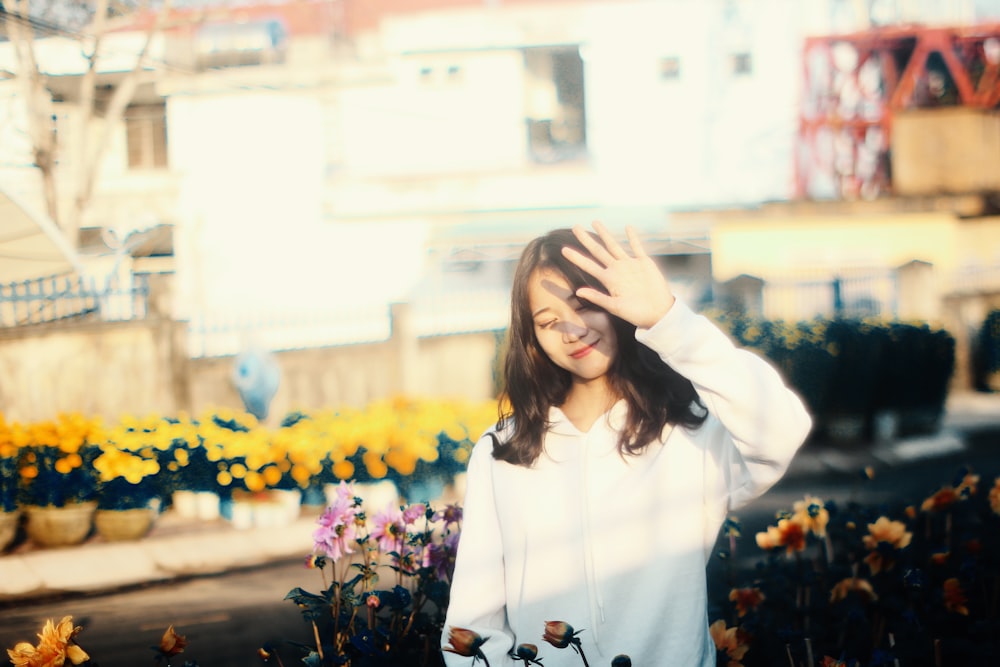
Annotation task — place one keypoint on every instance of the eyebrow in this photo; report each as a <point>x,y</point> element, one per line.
<point>540,311</point>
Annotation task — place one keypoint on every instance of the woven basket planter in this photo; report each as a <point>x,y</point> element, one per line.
<point>59,526</point>
<point>124,525</point>
<point>8,527</point>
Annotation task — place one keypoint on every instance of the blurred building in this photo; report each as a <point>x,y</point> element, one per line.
<point>311,162</point>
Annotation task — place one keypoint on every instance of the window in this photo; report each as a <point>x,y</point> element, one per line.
<point>555,114</point>
<point>241,44</point>
<point>740,64</point>
<point>670,67</point>
<point>146,136</point>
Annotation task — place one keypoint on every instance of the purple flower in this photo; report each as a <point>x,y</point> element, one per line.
<point>450,514</point>
<point>442,556</point>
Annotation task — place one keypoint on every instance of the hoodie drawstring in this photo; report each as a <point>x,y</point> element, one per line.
<point>593,585</point>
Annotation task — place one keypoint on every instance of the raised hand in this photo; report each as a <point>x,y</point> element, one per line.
<point>637,290</point>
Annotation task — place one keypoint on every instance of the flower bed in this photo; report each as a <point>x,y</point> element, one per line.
<point>418,445</point>
<point>906,585</point>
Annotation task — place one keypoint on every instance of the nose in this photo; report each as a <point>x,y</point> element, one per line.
<point>573,331</point>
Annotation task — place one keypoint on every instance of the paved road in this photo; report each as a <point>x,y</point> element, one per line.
<point>225,618</point>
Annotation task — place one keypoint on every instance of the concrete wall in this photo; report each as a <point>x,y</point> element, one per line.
<point>141,367</point>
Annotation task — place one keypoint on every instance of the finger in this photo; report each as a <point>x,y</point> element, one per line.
<point>634,242</point>
<point>613,247</point>
<point>594,247</point>
<point>594,296</point>
<point>584,262</point>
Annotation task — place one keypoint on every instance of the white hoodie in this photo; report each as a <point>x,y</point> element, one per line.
<point>617,546</point>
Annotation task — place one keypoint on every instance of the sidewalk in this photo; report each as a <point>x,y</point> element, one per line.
<point>178,547</point>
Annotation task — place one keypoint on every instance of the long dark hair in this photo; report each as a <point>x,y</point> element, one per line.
<point>655,393</point>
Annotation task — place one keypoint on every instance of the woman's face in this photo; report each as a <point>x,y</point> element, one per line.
<point>575,335</point>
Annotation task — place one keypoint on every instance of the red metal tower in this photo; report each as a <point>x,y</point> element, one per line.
<point>853,84</point>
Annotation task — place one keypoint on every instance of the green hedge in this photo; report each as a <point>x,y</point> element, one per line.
<point>856,369</point>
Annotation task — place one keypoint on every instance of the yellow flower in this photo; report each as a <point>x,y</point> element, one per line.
<point>812,515</point>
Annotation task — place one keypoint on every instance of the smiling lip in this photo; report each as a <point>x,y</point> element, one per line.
<point>582,352</point>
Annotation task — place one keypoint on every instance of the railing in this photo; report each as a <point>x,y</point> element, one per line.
<point>56,298</point>
<point>864,293</point>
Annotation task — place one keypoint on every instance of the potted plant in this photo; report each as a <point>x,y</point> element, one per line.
<point>58,490</point>
<point>10,513</point>
<point>129,492</point>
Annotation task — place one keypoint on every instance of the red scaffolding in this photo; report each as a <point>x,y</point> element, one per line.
<point>854,83</point>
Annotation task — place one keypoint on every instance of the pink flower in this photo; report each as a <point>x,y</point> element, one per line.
<point>414,512</point>
<point>337,527</point>
<point>390,529</point>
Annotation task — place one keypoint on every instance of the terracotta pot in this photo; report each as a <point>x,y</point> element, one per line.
<point>59,526</point>
<point>123,525</point>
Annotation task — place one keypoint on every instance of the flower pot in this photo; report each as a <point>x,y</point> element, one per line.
<point>8,527</point>
<point>203,505</point>
<point>59,526</point>
<point>124,525</point>
<point>267,509</point>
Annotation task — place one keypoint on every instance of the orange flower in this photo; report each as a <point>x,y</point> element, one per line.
<point>729,640</point>
<point>812,514</point>
<point>995,496</point>
<point>22,655</point>
<point>55,647</point>
<point>941,500</point>
<point>968,485</point>
<point>954,597</point>
<point>789,533</point>
<point>746,599</point>
<point>832,662</point>
<point>884,531</point>
<point>940,557</point>
<point>893,533</point>
<point>853,585</point>
<point>172,643</point>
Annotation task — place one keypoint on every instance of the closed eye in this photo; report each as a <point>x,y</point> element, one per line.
<point>546,324</point>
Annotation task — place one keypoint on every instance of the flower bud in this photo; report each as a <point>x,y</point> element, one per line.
<point>558,634</point>
<point>621,660</point>
<point>464,642</point>
<point>172,643</point>
<point>526,651</point>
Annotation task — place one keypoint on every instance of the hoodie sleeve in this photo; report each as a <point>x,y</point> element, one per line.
<point>478,596</point>
<point>763,421</point>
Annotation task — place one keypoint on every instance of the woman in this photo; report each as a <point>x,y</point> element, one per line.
<point>635,425</point>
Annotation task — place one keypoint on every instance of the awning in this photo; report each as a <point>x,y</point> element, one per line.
<point>31,245</point>
<point>503,234</point>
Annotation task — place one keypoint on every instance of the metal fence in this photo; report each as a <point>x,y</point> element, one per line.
<point>859,293</point>
<point>58,298</point>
